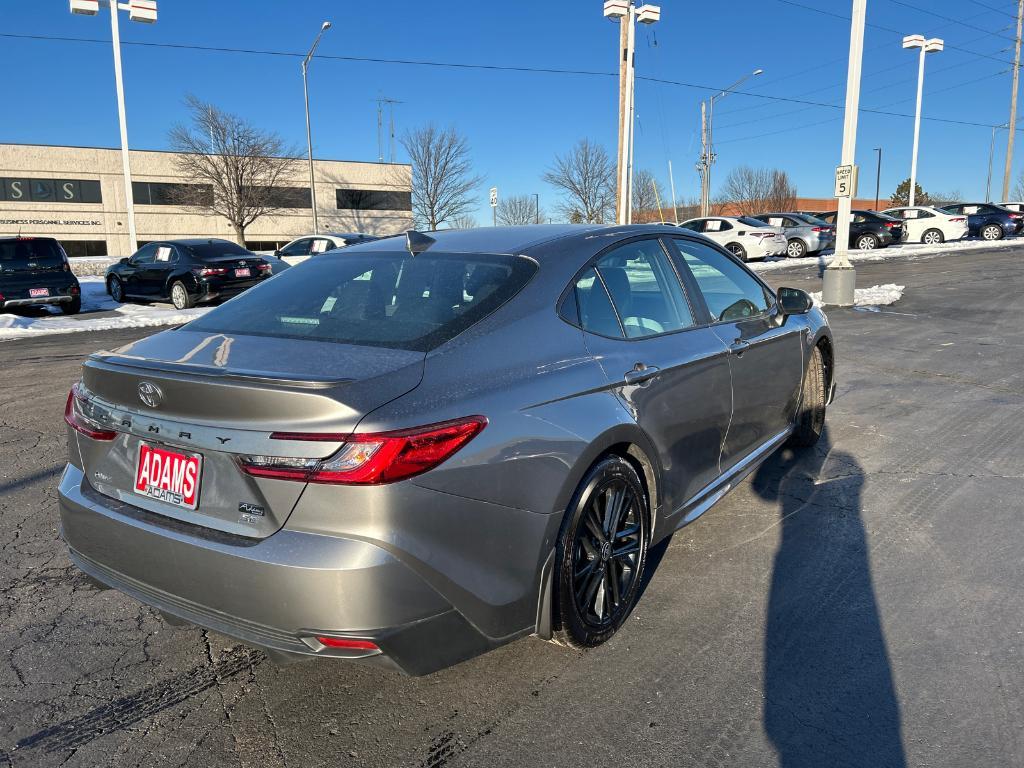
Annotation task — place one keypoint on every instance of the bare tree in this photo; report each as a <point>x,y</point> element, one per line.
<point>464,221</point>
<point>955,196</point>
<point>235,170</point>
<point>646,198</point>
<point>519,209</point>
<point>442,175</point>
<point>755,190</point>
<point>587,177</point>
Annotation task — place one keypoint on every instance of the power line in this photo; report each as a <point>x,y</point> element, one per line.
<point>993,8</point>
<point>952,20</point>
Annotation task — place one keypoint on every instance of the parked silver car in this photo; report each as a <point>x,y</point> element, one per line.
<point>805,234</point>
<point>415,450</point>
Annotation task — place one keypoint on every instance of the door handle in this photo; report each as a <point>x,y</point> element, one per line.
<point>738,347</point>
<point>641,373</point>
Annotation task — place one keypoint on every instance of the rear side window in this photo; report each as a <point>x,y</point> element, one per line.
<point>379,300</point>
<point>730,292</point>
<point>29,254</point>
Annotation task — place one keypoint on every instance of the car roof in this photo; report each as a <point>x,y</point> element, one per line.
<point>198,241</point>
<point>10,238</point>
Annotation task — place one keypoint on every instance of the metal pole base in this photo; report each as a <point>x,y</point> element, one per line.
<point>838,286</point>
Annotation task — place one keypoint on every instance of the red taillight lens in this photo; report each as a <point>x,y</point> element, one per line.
<point>75,290</point>
<point>348,643</point>
<point>208,271</point>
<point>891,224</point>
<point>369,459</point>
<point>821,229</point>
<point>1017,215</point>
<point>79,421</point>
<point>264,267</point>
<point>959,219</point>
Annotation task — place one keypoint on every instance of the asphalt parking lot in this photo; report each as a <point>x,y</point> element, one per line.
<point>861,604</point>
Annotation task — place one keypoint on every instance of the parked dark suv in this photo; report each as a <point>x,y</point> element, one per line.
<point>34,271</point>
<point>186,272</point>
<point>987,220</point>
<point>870,230</point>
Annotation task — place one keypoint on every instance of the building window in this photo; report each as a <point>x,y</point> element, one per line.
<point>80,248</point>
<point>373,200</point>
<point>165,193</point>
<point>286,197</point>
<point>14,190</point>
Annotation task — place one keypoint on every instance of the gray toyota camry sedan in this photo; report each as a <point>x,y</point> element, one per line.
<point>417,449</point>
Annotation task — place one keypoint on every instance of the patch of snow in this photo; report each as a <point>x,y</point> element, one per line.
<point>94,299</point>
<point>875,296</point>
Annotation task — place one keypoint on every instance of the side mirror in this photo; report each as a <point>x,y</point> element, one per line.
<point>277,254</point>
<point>124,260</point>
<point>793,301</point>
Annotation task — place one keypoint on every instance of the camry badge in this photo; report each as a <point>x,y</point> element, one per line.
<point>150,394</point>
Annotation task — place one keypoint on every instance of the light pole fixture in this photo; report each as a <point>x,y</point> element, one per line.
<point>707,157</point>
<point>143,11</point>
<point>627,14</point>
<point>931,45</point>
<point>309,134</point>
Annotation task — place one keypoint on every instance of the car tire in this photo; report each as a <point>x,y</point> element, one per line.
<point>591,571</point>
<point>992,232</point>
<point>180,297</point>
<point>867,242</point>
<point>116,289</point>
<point>932,237</point>
<point>72,307</point>
<point>810,417</point>
<point>737,250</point>
<point>796,248</point>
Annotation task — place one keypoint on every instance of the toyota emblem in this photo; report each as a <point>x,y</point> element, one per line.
<point>150,394</point>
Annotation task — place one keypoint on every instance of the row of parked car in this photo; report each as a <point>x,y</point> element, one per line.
<point>805,233</point>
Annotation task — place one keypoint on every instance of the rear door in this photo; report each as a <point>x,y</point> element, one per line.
<point>665,364</point>
<point>765,351</point>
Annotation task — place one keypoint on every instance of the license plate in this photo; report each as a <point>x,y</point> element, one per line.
<point>243,272</point>
<point>168,476</point>
<point>37,293</point>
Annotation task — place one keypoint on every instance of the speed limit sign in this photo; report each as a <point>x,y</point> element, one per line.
<point>494,197</point>
<point>846,181</point>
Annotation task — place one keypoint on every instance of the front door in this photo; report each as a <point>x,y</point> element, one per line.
<point>765,349</point>
<point>670,374</point>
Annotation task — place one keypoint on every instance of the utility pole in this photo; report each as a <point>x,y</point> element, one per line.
<point>1013,103</point>
<point>142,11</point>
<point>840,277</point>
<point>627,14</point>
<point>672,186</point>
<point>536,207</point>
<point>878,176</point>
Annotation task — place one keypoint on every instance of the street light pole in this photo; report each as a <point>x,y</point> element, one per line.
<point>707,133</point>
<point>933,45</point>
<point>627,14</point>
<point>536,207</point>
<point>139,10</point>
<point>309,133</point>
<point>991,153</point>
<point>878,176</point>
<point>840,277</point>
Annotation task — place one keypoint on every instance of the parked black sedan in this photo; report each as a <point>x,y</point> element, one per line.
<point>34,271</point>
<point>870,230</point>
<point>186,272</point>
<point>987,220</point>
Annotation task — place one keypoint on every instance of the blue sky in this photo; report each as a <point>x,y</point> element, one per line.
<point>517,121</point>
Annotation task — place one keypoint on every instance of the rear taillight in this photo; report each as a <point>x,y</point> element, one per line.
<point>347,643</point>
<point>74,415</point>
<point>891,224</point>
<point>959,219</point>
<point>264,267</point>
<point>1017,215</point>
<point>368,459</point>
<point>821,229</point>
<point>75,290</point>
<point>208,271</point>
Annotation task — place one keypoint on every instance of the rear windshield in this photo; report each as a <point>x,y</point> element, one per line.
<point>215,249</point>
<point>750,221</point>
<point>812,219</point>
<point>374,299</point>
<point>29,254</point>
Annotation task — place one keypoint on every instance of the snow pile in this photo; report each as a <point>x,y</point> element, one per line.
<point>908,251</point>
<point>43,322</point>
<point>875,296</point>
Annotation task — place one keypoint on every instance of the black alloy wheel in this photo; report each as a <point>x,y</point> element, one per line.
<point>602,552</point>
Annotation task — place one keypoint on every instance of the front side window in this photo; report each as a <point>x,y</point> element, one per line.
<point>730,292</point>
<point>298,248</point>
<point>388,300</point>
<point>145,255</point>
<point>643,286</point>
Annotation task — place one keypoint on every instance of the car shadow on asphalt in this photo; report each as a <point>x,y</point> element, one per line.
<point>829,695</point>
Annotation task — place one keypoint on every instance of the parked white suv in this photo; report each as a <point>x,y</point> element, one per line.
<point>745,237</point>
<point>924,224</point>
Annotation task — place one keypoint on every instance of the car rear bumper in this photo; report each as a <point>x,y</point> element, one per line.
<point>37,301</point>
<point>277,593</point>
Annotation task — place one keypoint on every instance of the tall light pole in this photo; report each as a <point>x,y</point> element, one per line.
<point>840,277</point>
<point>138,10</point>
<point>991,153</point>
<point>536,207</point>
<point>1013,103</point>
<point>707,157</point>
<point>309,134</point>
<point>878,176</point>
<point>932,45</point>
<point>627,14</point>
